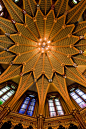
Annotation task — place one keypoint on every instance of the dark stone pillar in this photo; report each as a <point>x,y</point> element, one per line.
<point>78,117</point>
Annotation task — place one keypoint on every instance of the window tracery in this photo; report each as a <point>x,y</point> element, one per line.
<point>55,107</point>
<point>6,92</point>
<point>79,96</point>
<point>28,105</point>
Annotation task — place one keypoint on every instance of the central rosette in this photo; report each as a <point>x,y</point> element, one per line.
<point>44,45</point>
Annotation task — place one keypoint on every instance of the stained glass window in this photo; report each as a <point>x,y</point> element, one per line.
<point>55,107</point>
<point>28,106</point>
<point>79,96</point>
<point>31,107</point>
<point>59,107</point>
<point>5,94</point>
<point>51,108</point>
<point>24,105</point>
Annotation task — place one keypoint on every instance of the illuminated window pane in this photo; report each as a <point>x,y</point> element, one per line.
<point>72,93</point>
<point>26,102</point>
<point>57,103</point>
<point>50,101</point>
<point>6,93</point>
<point>59,107</point>
<point>79,92</point>
<point>27,98</point>
<point>2,100</point>
<point>13,87</point>
<point>31,107</point>
<point>24,105</point>
<point>60,113</point>
<point>56,100</point>
<point>1,92</point>
<point>22,111</point>
<point>32,103</point>
<point>82,104</point>
<point>5,97</point>
<point>52,109</point>
<point>51,104</point>
<point>12,91</point>
<point>1,14</point>
<point>4,90</point>
<point>78,100</point>
<point>7,87</point>
<point>9,94</point>
<point>1,8</point>
<point>52,114</point>
<point>84,97</point>
<point>75,96</point>
<point>30,113</point>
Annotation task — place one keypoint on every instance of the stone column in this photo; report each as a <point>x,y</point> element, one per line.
<point>78,117</point>
<point>40,122</point>
<point>4,113</point>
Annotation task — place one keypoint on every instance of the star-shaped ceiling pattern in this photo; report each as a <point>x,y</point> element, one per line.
<point>43,43</point>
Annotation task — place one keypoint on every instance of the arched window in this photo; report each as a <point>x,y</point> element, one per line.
<point>28,105</point>
<point>79,96</point>
<point>55,107</point>
<point>6,93</point>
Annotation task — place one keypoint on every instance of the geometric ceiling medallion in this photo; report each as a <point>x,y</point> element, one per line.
<point>44,45</point>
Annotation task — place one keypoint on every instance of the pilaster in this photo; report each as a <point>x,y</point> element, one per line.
<point>4,113</point>
<point>40,122</point>
<point>78,117</point>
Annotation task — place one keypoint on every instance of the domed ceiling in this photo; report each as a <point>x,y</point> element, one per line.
<point>44,44</point>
